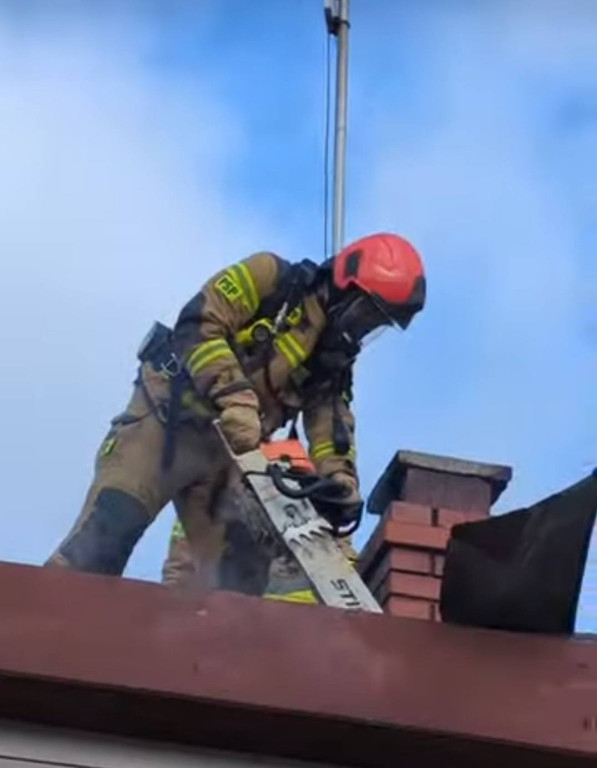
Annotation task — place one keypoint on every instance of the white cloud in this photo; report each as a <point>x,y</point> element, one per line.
<point>113,210</point>
<point>499,367</point>
<point>114,207</point>
<point>505,271</point>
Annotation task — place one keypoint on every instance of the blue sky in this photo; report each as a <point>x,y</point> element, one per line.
<point>146,144</point>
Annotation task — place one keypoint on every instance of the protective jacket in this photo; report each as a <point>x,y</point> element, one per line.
<point>255,335</point>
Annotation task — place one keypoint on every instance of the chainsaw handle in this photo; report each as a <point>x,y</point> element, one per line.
<point>279,475</point>
<point>318,487</point>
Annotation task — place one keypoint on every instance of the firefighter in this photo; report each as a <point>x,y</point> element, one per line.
<point>185,570</point>
<point>262,343</point>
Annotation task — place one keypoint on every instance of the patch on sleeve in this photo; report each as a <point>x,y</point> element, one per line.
<point>229,287</point>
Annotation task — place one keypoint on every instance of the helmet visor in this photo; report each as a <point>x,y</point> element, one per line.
<point>362,318</point>
<point>399,316</point>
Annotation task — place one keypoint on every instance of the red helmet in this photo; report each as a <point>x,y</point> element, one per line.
<point>386,269</point>
<point>389,270</point>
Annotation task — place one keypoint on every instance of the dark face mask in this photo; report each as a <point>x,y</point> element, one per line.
<point>351,323</point>
<point>359,317</point>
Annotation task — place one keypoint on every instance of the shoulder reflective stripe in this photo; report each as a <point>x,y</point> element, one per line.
<point>204,354</point>
<point>301,596</point>
<point>247,285</point>
<point>253,292</point>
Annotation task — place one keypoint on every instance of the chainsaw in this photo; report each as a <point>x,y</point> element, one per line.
<point>288,499</point>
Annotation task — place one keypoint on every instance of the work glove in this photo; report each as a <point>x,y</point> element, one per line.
<point>241,426</point>
<point>341,505</point>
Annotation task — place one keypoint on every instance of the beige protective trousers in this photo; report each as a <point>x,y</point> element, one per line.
<point>232,546</point>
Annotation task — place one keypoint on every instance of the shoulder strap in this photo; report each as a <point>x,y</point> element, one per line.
<point>295,280</point>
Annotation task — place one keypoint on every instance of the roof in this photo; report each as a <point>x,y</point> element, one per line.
<point>306,682</point>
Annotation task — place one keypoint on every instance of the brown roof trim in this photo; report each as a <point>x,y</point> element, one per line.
<point>126,657</point>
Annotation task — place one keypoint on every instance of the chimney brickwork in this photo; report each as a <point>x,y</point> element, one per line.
<point>419,498</point>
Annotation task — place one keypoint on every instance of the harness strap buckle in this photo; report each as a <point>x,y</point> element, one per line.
<point>172,367</point>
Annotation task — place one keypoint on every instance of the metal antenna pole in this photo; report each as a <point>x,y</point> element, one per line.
<point>336,14</point>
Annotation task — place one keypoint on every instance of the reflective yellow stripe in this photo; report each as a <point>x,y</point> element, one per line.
<point>325,449</point>
<point>295,316</point>
<point>107,446</point>
<point>205,354</point>
<point>292,350</point>
<point>247,285</point>
<point>298,348</point>
<point>206,347</point>
<point>283,347</point>
<point>209,359</point>
<point>320,450</point>
<point>177,532</point>
<point>300,596</point>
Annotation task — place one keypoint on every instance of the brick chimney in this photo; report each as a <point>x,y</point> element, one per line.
<point>419,498</point>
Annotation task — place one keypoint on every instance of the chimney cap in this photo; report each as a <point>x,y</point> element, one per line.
<point>389,486</point>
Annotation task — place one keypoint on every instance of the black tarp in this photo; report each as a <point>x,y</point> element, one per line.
<point>522,571</point>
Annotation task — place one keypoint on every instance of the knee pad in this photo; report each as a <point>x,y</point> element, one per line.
<point>106,539</point>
